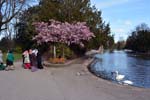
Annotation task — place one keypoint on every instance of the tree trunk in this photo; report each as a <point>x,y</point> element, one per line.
<point>54,51</point>
<point>63,52</point>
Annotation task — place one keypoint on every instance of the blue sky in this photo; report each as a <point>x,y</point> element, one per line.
<point>124,15</point>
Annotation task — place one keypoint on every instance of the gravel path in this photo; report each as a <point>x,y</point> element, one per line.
<point>73,82</point>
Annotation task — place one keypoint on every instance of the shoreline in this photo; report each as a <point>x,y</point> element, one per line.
<point>87,63</point>
<point>98,76</point>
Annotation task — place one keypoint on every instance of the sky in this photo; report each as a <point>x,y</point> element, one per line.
<point>123,15</point>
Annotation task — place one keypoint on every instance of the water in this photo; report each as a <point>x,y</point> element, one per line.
<point>136,68</point>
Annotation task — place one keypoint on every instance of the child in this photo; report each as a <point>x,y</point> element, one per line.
<point>2,66</point>
<point>26,60</point>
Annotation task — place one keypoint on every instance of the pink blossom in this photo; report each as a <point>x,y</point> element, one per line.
<point>62,32</point>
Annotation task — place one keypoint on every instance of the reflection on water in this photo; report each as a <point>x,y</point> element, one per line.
<point>135,67</point>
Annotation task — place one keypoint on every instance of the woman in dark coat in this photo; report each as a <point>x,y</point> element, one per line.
<point>34,61</point>
<point>39,60</point>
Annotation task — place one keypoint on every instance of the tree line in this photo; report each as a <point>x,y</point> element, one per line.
<point>70,11</point>
<point>139,40</point>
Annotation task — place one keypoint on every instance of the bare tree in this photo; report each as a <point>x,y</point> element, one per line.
<point>8,10</point>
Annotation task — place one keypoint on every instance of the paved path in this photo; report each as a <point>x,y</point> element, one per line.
<point>63,84</point>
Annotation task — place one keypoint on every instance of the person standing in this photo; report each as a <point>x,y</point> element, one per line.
<point>26,60</point>
<point>1,57</point>
<point>39,60</point>
<point>2,66</point>
<point>30,56</point>
<point>34,60</point>
<point>10,61</point>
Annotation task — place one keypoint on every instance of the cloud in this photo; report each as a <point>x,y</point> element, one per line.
<point>109,3</point>
<point>119,30</point>
<point>124,22</point>
<point>121,33</point>
<point>120,37</point>
<point>128,23</point>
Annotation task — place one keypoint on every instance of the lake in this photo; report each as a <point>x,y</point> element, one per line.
<point>135,67</point>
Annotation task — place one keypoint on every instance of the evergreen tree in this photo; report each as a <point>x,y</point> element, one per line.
<point>71,11</point>
<point>139,39</point>
<point>25,28</point>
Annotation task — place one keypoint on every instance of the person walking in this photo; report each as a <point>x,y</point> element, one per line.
<point>10,61</point>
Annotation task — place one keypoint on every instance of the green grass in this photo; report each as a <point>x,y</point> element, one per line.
<point>17,56</point>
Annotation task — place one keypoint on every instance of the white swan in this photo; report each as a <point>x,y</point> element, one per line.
<point>127,82</point>
<point>119,77</point>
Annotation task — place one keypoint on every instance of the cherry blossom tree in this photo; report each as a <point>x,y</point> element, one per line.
<point>66,33</point>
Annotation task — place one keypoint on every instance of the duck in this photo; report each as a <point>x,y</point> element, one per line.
<point>127,82</point>
<point>119,77</point>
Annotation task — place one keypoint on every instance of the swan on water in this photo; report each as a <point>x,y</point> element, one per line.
<point>127,82</point>
<point>119,77</point>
